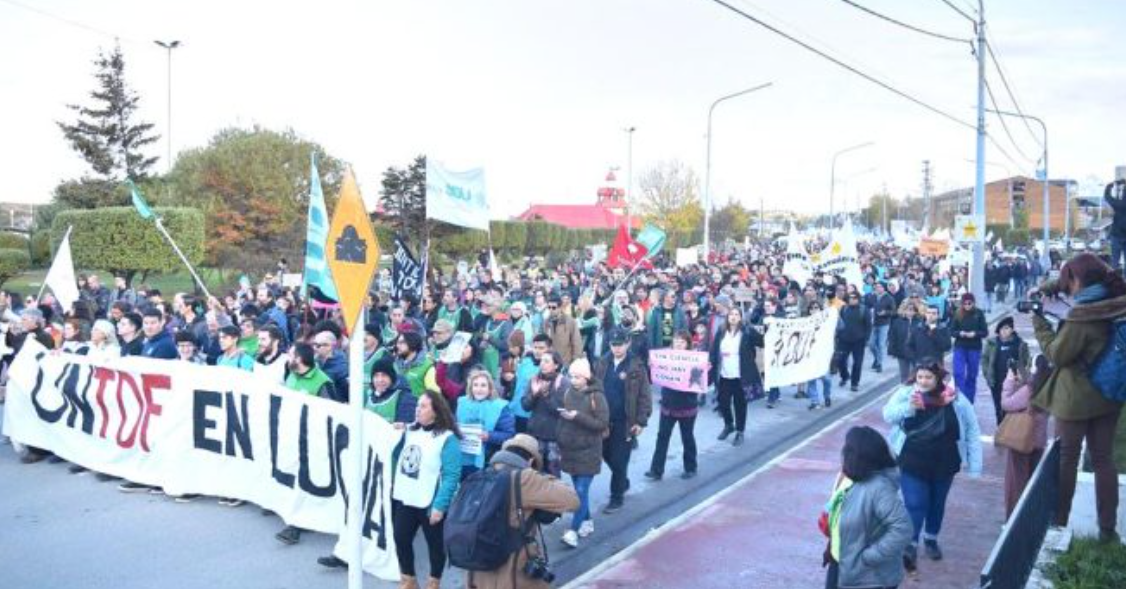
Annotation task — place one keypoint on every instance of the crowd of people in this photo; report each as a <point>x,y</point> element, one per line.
<point>555,373</point>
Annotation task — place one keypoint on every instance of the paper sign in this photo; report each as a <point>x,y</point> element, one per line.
<point>471,438</point>
<point>682,370</point>
<point>686,256</point>
<point>743,295</point>
<point>933,247</point>
<point>453,352</point>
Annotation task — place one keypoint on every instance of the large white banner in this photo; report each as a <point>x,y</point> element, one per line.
<point>798,350</point>
<point>840,257</point>
<point>797,266</point>
<point>210,430</point>
<point>457,198</point>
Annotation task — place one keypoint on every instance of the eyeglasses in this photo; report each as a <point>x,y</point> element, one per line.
<point>322,345</point>
<point>552,307</point>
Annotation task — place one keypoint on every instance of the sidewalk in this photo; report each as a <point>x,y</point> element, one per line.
<point>762,532</point>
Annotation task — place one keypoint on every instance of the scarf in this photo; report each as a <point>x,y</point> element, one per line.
<point>1091,294</point>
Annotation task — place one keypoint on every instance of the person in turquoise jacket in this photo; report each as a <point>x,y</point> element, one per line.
<point>483,409</point>
<point>528,368</point>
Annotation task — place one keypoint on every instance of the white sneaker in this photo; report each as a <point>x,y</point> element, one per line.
<point>570,538</point>
<point>586,529</point>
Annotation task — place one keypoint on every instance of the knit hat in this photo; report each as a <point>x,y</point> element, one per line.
<point>723,300</point>
<point>384,365</point>
<point>1007,321</point>
<point>968,297</point>
<point>516,340</point>
<point>528,445</point>
<point>580,367</point>
<point>618,337</point>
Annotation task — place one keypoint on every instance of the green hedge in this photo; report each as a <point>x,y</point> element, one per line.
<point>12,262</point>
<point>41,249</point>
<point>119,240</point>
<point>12,241</point>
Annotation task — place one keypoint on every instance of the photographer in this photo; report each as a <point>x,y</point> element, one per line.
<point>1098,295</point>
<point>1115,196</point>
<point>543,498</point>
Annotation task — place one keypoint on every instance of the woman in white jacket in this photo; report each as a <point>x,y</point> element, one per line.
<point>934,434</point>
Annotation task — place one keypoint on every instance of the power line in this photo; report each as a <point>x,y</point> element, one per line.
<point>905,25</point>
<point>844,65</point>
<point>959,11</point>
<point>1004,123</point>
<point>1009,90</point>
<point>67,21</point>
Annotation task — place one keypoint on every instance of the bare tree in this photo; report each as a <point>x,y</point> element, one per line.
<point>669,196</point>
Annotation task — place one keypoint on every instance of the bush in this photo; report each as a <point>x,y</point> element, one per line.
<point>119,240</point>
<point>1088,564</point>
<point>12,262</point>
<point>12,241</point>
<point>41,249</point>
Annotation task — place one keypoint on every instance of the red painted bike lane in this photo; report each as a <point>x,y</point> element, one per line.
<point>762,532</point>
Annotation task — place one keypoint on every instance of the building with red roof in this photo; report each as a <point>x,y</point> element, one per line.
<point>608,212</point>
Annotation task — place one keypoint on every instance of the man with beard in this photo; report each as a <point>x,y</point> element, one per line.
<point>638,340</point>
<point>411,363</point>
<point>270,362</point>
<point>625,382</point>
<point>332,362</point>
<point>563,331</point>
<point>440,338</point>
<point>457,316</point>
<point>269,312</point>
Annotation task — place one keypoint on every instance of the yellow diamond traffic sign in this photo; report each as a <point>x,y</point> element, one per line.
<point>353,252</point>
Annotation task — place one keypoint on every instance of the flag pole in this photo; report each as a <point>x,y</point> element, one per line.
<point>183,258</point>
<point>43,287</point>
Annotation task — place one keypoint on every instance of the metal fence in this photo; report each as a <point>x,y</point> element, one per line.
<point>1016,550</point>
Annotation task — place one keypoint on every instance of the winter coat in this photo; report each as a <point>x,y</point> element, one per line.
<point>543,424</point>
<point>1016,396</point>
<point>973,322</point>
<point>336,367</point>
<point>580,439</point>
<point>925,343</point>
<point>748,370</point>
<point>656,321</point>
<point>639,399</point>
<point>540,492</point>
<point>565,338</point>
<point>988,359</point>
<point>874,531</point>
<point>161,347</point>
<point>899,409</point>
<point>855,325</point>
<point>1073,349</point>
<point>899,336</point>
<point>883,309</point>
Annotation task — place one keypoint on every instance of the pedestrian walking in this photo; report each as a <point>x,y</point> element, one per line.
<point>969,329</point>
<point>899,338</point>
<point>584,422</point>
<point>625,383</point>
<point>678,409</point>
<point>733,369</point>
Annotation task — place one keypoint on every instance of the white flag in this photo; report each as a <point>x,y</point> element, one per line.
<point>494,269</point>
<point>60,278</point>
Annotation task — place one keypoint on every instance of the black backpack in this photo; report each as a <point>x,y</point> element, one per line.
<point>476,530</point>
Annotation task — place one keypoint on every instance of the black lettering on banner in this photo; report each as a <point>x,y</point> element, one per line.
<point>284,478</point>
<point>303,479</point>
<point>238,427</point>
<point>50,416</point>
<point>373,492</point>
<point>201,424</point>
<point>342,436</point>
<point>78,403</point>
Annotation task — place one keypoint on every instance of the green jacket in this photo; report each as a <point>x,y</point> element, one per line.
<point>1024,360</point>
<point>415,373</point>
<point>1068,394</point>
<point>314,383</point>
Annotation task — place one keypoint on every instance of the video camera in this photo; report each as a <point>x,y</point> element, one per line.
<point>1034,304</point>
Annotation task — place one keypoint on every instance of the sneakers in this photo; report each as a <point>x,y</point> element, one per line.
<point>613,506</point>
<point>186,498</point>
<point>842,383</point>
<point>654,476</point>
<point>229,502</point>
<point>688,474</point>
<point>76,469</point>
<point>571,538</point>
<point>332,562</point>
<point>738,441</point>
<point>854,388</point>
<point>586,529</point>
<point>131,487</point>
<point>289,536</point>
<point>828,403</point>
<point>911,557</point>
<point>932,549</point>
<point>727,431</point>
<point>814,406</point>
<point>105,478</point>
<point>156,491</point>
<point>771,404</point>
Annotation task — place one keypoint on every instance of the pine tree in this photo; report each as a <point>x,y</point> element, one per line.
<point>105,134</point>
<point>404,200</point>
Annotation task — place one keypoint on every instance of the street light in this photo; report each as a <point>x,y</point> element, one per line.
<point>833,174</point>
<point>1045,260</point>
<point>708,168</point>
<point>169,46</point>
<point>629,180</point>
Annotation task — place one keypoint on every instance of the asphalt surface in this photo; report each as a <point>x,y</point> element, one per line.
<point>64,530</point>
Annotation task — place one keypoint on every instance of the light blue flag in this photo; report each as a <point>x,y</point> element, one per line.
<point>317,272</point>
<point>653,238</point>
<point>139,201</point>
<point>457,198</point>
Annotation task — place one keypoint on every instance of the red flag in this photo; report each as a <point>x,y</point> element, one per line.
<point>626,252</point>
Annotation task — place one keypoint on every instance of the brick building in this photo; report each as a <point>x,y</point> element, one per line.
<point>1003,198</point>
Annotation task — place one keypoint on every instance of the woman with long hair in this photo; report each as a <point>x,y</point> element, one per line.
<point>734,371</point>
<point>934,433</point>
<point>1098,294</point>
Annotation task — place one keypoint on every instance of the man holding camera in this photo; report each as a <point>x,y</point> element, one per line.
<point>1115,196</point>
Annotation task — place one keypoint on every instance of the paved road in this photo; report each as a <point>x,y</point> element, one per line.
<point>58,529</point>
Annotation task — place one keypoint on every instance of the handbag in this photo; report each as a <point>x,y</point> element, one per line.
<point>1016,432</point>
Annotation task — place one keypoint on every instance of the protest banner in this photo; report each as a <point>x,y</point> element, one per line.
<point>209,430</point>
<point>458,342</point>
<point>840,257</point>
<point>471,438</point>
<point>797,266</point>
<point>929,246</point>
<point>683,370</point>
<point>406,272</point>
<point>686,256</point>
<point>457,198</point>
<point>798,350</point>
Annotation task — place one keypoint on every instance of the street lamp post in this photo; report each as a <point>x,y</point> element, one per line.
<point>833,175</point>
<point>169,46</point>
<point>629,179</point>
<point>708,166</point>
<point>1045,260</point>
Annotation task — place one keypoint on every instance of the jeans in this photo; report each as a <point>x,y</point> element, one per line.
<point>773,395</point>
<point>906,369</point>
<point>731,392</point>
<point>687,439</point>
<point>1117,251</point>
<point>582,489</point>
<point>856,350</point>
<point>1021,286</point>
<point>967,364</point>
<point>406,521</point>
<point>820,395</point>
<point>1100,433</point>
<point>616,450</point>
<point>926,503</point>
<point>878,345</point>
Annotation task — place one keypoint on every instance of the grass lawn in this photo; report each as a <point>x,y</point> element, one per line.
<point>28,283</point>
<point>1089,564</point>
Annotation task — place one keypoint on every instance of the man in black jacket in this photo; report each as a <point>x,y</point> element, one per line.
<point>853,331</point>
<point>1115,196</point>
<point>883,311</point>
<point>928,341</point>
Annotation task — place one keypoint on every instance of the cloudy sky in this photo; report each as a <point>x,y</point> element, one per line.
<point>538,92</point>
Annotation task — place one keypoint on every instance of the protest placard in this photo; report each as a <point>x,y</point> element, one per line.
<point>453,352</point>
<point>798,350</point>
<point>471,438</point>
<point>683,370</point>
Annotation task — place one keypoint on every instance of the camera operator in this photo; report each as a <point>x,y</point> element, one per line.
<point>543,498</point>
<point>1079,408</point>
<point>1115,196</point>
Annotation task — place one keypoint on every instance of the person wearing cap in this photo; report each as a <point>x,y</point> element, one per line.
<point>585,417</point>
<point>518,314</point>
<point>563,331</point>
<point>232,355</point>
<point>483,410</point>
<point>1003,352</point>
<point>969,329</point>
<point>373,350</point>
<point>625,383</point>
<point>388,397</point>
<point>542,497</point>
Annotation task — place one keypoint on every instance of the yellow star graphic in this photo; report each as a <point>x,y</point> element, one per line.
<point>970,230</point>
<point>836,249</point>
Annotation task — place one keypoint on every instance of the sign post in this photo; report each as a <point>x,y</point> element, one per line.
<point>353,256</point>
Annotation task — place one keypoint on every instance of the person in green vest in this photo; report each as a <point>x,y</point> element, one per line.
<point>389,397</point>
<point>458,316</point>
<point>373,350</point>
<point>305,377</point>
<point>411,362</point>
<point>248,337</point>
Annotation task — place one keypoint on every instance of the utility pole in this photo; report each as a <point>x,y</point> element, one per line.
<point>928,185</point>
<point>629,181</point>
<point>169,46</point>
<point>977,267</point>
<point>761,215</point>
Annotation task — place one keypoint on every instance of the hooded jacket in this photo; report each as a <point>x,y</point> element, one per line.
<point>874,531</point>
<point>580,439</point>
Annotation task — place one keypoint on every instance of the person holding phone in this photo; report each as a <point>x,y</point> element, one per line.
<point>1003,352</point>
<point>1115,196</point>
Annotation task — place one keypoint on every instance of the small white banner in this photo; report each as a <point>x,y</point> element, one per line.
<point>798,350</point>
<point>686,256</point>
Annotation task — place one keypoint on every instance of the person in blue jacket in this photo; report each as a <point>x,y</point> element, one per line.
<point>483,409</point>
<point>158,343</point>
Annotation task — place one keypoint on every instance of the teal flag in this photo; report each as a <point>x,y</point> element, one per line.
<point>317,272</point>
<point>653,238</point>
<point>139,202</point>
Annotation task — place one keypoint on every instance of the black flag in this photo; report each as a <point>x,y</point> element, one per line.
<point>406,272</point>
